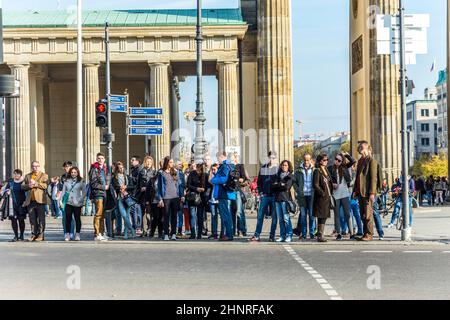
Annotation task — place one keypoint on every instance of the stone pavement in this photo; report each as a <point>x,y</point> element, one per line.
<point>430,225</point>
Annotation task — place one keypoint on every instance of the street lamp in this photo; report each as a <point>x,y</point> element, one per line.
<point>199,144</point>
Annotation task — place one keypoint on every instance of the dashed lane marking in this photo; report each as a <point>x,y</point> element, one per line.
<point>328,288</point>
<point>417,251</point>
<point>338,251</point>
<point>377,251</point>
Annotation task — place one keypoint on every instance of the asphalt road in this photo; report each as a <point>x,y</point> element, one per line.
<point>142,269</point>
<point>157,270</point>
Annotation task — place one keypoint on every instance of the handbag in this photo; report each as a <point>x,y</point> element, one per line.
<point>66,195</point>
<point>193,199</point>
<point>129,201</point>
<point>332,200</point>
<point>291,206</point>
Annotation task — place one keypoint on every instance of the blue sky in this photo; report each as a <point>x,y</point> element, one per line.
<point>320,54</point>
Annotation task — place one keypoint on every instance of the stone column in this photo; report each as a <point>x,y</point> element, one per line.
<point>275,78</point>
<point>159,98</point>
<point>91,95</point>
<point>19,109</point>
<point>228,105</point>
<point>175,117</point>
<point>448,80</point>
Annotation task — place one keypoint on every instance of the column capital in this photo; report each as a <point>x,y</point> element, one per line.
<point>158,64</point>
<point>91,65</point>
<point>19,66</point>
<point>233,62</point>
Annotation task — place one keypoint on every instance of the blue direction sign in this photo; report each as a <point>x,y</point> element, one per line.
<point>146,111</point>
<point>118,107</point>
<point>118,103</point>
<point>146,122</point>
<point>137,131</point>
<point>115,98</point>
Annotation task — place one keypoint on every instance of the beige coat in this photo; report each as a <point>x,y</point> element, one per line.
<point>39,190</point>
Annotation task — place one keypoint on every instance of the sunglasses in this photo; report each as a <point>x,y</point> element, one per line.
<point>338,160</point>
<point>324,160</point>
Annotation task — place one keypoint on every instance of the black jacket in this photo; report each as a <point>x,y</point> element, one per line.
<point>143,178</point>
<point>281,188</point>
<point>194,182</point>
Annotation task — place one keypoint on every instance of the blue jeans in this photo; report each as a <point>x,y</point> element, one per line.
<point>225,215</point>
<point>398,206</point>
<point>377,218</point>
<point>354,209</point>
<point>125,214</point>
<point>214,208</point>
<point>430,197</point>
<point>265,202</point>
<point>180,219</point>
<point>240,212</point>
<point>88,204</point>
<point>196,219</point>
<point>285,220</point>
<point>136,213</point>
<point>307,212</point>
<point>56,209</point>
<point>118,217</point>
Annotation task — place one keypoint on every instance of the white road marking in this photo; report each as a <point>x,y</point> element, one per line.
<point>337,251</point>
<point>320,280</point>
<point>417,251</point>
<point>377,252</point>
<point>445,251</point>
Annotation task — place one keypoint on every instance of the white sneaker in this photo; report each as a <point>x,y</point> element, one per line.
<point>390,226</point>
<point>166,238</point>
<point>288,239</point>
<point>381,238</point>
<point>174,237</point>
<point>99,238</point>
<point>77,237</point>
<point>106,237</point>
<point>280,240</point>
<point>67,237</point>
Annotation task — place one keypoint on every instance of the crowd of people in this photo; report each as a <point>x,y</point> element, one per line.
<point>168,201</point>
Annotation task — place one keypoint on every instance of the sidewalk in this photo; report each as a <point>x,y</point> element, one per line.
<point>430,225</point>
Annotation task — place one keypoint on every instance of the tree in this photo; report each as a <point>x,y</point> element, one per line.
<point>426,166</point>
<point>345,147</point>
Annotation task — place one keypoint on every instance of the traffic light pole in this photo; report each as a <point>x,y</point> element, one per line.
<point>406,231</point>
<point>109,139</point>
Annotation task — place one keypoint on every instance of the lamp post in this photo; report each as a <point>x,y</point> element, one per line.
<point>80,148</point>
<point>199,143</point>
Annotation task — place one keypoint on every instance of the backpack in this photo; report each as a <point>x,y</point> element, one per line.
<point>232,183</point>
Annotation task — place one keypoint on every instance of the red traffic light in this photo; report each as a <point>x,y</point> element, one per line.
<point>101,108</point>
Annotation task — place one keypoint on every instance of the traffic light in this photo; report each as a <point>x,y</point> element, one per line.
<point>101,114</point>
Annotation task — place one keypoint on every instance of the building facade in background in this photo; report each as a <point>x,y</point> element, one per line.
<point>422,123</point>
<point>441,92</point>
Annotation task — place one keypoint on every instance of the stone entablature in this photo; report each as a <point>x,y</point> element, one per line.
<point>46,45</point>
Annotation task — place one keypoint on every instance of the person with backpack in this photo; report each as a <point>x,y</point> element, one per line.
<point>99,180</point>
<point>365,188</point>
<point>53,193</point>
<point>148,171</point>
<point>14,205</point>
<point>123,185</point>
<point>152,200</point>
<point>72,198</point>
<point>341,179</point>
<point>67,165</point>
<point>429,184</point>
<point>196,187</point>
<point>282,193</point>
<point>266,177</point>
<point>303,186</point>
<point>244,181</point>
<point>214,205</point>
<point>225,192</point>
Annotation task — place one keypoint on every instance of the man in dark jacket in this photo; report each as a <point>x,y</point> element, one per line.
<point>266,177</point>
<point>99,181</point>
<point>239,207</point>
<point>303,186</point>
<point>224,195</point>
<point>365,188</point>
